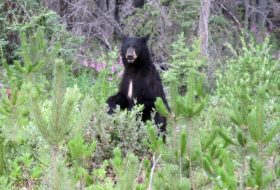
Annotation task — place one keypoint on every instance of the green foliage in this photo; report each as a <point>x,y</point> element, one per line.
<point>124,129</point>
<point>24,168</point>
<point>149,19</point>
<point>183,145</point>
<point>253,65</point>
<point>2,162</point>
<point>225,140</point>
<point>168,178</point>
<point>13,12</point>
<point>258,178</point>
<point>79,151</point>
<point>183,153</point>
<point>161,108</point>
<point>253,123</point>
<point>251,116</point>
<point>126,169</point>
<point>220,167</point>
<point>35,53</point>
<point>183,60</point>
<point>188,13</point>
<point>240,113</point>
<point>147,24</point>
<point>257,119</point>
<point>154,143</point>
<point>188,99</point>
<point>56,120</point>
<point>59,177</point>
<point>35,17</point>
<point>5,184</point>
<point>32,53</point>
<point>218,20</point>
<point>101,181</point>
<point>247,86</point>
<point>80,155</point>
<point>107,78</point>
<point>192,103</point>
<point>14,113</point>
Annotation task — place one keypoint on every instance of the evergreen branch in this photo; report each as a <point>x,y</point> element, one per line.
<point>85,114</point>
<point>59,90</point>
<point>40,121</point>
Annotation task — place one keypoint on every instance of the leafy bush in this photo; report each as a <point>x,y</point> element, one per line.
<point>249,81</point>
<point>252,65</point>
<point>124,130</point>
<point>183,60</point>
<point>27,17</point>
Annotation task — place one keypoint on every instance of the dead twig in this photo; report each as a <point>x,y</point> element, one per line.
<point>155,161</point>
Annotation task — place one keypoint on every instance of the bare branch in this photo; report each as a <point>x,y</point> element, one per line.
<point>155,161</point>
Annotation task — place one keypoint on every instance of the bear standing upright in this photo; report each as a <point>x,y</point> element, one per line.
<point>140,81</point>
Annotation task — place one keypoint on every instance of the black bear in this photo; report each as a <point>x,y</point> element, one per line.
<point>140,81</point>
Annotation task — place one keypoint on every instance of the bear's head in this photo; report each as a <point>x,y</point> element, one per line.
<point>135,51</point>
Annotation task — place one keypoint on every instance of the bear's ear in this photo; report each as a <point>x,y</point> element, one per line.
<point>146,38</point>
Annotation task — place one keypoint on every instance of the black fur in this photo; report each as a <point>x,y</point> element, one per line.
<point>147,85</point>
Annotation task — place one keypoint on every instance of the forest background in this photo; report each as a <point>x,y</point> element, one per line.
<point>219,61</point>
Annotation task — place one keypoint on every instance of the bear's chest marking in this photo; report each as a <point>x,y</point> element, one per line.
<point>130,89</point>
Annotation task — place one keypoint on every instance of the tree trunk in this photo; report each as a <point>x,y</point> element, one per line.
<point>203,34</point>
<point>107,12</point>
<point>203,26</point>
<point>247,14</point>
<point>253,15</point>
<point>263,12</point>
<point>261,19</point>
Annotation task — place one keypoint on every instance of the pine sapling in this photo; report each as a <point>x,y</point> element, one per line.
<point>57,118</point>
<point>189,106</point>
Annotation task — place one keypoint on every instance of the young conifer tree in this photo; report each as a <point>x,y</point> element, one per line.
<point>57,118</point>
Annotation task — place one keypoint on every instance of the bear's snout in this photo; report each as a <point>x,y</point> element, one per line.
<point>130,55</point>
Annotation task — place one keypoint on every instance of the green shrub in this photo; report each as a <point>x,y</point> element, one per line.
<point>183,60</point>
<point>252,64</point>
<point>123,129</point>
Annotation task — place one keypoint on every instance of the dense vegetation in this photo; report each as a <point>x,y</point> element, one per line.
<point>57,72</point>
